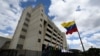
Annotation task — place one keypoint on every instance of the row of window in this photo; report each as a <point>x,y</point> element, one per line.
<point>52,28</point>
<point>51,42</point>
<point>59,41</point>
<point>39,40</point>
<point>53,34</point>
<point>20,46</point>
<point>29,15</point>
<point>54,31</point>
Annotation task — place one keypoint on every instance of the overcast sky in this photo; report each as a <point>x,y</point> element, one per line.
<point>86,14</point>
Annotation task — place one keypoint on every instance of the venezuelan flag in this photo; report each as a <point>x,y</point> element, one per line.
<point>70,26</point>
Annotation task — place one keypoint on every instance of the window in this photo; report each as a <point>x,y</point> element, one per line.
<point>45,22</point>
<point>62,36</point>
<point>24,30</point>
<point>58,37</point>
<point>40,19</point>
<point>48,35</point>
<point>27,19</point>
<point>53,43</point>
<point>50,26</point>
<point>58,34</point>
<point>41,14</point>
<point>54,34</point>
<point>39,32</point>
<point>49,30</point>
<point>42,10</point>
<point>53,38</point>
<point>47,40</point>
<point>39,40</point>
<point>55,30</point>
<point>26,24</point>
<point>28,14</point>
<point>61,39</point>
<point>22,36</point>
<point>58,41</point>
<point>40,25</point>
<point>19,46</point>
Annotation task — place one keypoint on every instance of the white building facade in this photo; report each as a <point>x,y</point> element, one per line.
<point>35,31</point>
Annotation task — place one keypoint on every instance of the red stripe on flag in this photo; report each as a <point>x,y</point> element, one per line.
<point>71,31</point>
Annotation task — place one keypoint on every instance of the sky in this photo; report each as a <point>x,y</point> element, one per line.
<point>86,14</point>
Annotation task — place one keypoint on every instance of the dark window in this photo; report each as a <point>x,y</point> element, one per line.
<point>40,19</point>
<point>22,36</point>
<point>27,20</point>
<point>39,40</point>
<point>49,30</point>
<point>19,46</point>
<point>42,10</point>
<point>54,35</point>
<point>53,43</point>
<point>58,34</point>
<point>55,30</point>
<point>26,24</point>
<point>61,40</point>
<point>47,40</point>
<point>48,35</point>
<point>24,30</point>
<point>39,32</point>
<point>28,14</point>
<point>58,41</point>
<point>50,26</point>
<point>58,37</point>
<point>53,38</point>
<point>40,25</point>
<point>41,14</point>
<point>62,36</point>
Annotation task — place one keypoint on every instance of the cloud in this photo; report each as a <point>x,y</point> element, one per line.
<point>28,0</point>
<point>24,0</point>
<point>87,19</point>
<point>10,12</point>
<point>95,3</point>
<point>76,44</point>
<point>95,37</point>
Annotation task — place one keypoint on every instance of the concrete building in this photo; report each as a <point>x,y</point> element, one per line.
<point>4,42</point>
<point>35,31</point>
<point>65,46</point>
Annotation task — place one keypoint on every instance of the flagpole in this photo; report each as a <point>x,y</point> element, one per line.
<point>80,39</point>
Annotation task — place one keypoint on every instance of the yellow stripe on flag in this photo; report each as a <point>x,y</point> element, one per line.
<point>68,24</point>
